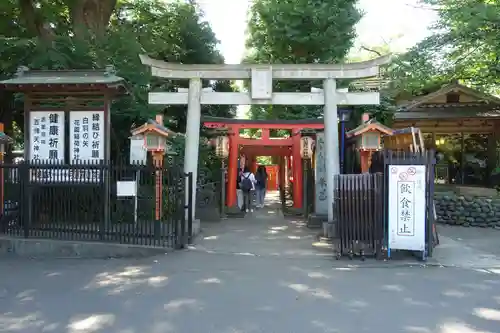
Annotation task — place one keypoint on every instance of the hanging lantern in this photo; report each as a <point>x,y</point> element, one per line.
<point>306,147</point>
<point>222,146</point>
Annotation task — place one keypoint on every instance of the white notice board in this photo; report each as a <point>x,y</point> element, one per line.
<point>407,207</point>
<point>86,136</point>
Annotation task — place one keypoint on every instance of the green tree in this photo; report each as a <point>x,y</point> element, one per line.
<point>465,45</point>
<point>299,31</point>
<point>86,34</point>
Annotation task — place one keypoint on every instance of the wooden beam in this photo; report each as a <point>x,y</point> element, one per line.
<point>284,98</point>
<point>266,151</point>
<point>264,142</point>
<point>304,125</point>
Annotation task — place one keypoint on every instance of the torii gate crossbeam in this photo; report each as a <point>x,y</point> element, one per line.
<point>262,77</point>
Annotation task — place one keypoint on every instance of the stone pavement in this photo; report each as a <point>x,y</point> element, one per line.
<point>264,232</point>
<point>258,274</point>
<point>194,291</point>
<point>468,247</point>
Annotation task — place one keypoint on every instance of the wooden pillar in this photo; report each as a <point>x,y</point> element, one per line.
<point>282,174</point>
<point>364,157</point>
<point>297,171</point>
<point>493,143</point>
<point>253,166</point>
<point>232,169</point>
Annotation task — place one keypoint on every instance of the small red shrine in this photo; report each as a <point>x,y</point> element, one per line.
<point>287,148</point>
<point>367,139</point>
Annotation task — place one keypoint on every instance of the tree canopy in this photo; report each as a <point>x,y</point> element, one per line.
<point>298,31</point>
<point>464,45</point>
<point>87,34</point>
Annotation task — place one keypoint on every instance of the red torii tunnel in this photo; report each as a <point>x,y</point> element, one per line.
<point>266,145</point>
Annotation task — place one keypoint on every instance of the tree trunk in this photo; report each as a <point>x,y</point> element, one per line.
<point>90,16</point>
<point>35,22</point>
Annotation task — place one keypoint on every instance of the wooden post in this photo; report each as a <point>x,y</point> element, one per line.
<point>232,167</point>
<point>158,163</point>
<point>364,157</point>
<point>253,168</point>
<point>297,171</point>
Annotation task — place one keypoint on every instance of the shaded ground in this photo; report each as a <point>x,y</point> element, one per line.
<point>200,292</point>
<point>257,274</point>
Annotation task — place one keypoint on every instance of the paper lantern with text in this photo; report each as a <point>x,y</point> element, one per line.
<point>306,147</point>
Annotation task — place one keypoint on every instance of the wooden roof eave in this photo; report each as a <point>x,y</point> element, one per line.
<point>67,88</point>
<point>369,128</point>
<point>144,129</point>
<point>412,104</point>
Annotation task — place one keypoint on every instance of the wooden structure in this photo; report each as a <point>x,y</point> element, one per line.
<point>367,139</point>
<point>69,96</point>
<point>407,139</point>
<point>287,148</point>
<point>67,122</point>
<point>155,141</point>
<point>462,124</point>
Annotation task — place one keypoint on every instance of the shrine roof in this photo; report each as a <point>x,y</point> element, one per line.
<point>371,124</point>
<point>4,138</point>
<point>26,78</point>
<point>208,119</point>
<point>154,125</point>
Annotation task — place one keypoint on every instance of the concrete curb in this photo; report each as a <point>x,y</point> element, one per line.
<point>47,248</point>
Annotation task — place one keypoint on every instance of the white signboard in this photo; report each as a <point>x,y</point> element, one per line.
<point>47,136</point>
<point>86,136</point>
<point>407,207</point>
<point>138,153</point>
<point>321,202</point>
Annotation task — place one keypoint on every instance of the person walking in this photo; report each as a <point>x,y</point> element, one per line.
<point>247,186</point>
<point>261,185</point>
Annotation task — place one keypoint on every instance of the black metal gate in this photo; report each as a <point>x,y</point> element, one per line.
<point>131,204</point>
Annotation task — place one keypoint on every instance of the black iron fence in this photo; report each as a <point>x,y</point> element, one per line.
<point>362,201</point>
<point>359,202</point>
<point>211,194</point>
<point>132,204</point>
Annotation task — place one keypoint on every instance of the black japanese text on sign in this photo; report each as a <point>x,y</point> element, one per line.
<point>47,136</point>
<point>406,208</point>
<point>86,135</point>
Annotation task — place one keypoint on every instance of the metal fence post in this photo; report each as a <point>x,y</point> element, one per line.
<point>190,208</point>
<point>25,198</point>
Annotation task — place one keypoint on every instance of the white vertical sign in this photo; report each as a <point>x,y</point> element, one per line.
<point>86,136</point>
<point>407,207</point>
<point>321,202</point>
<point>47,136</point>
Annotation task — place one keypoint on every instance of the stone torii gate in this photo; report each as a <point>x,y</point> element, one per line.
<point>261,93</point>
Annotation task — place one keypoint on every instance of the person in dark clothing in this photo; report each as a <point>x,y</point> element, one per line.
<point>239,192</point>
<point>247,185</point>
<point>261,185</point>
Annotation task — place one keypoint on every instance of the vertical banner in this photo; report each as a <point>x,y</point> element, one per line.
<point>47,136</point>
<point>407,207</point>
<point>321,202</point>
<point>86,136</point>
